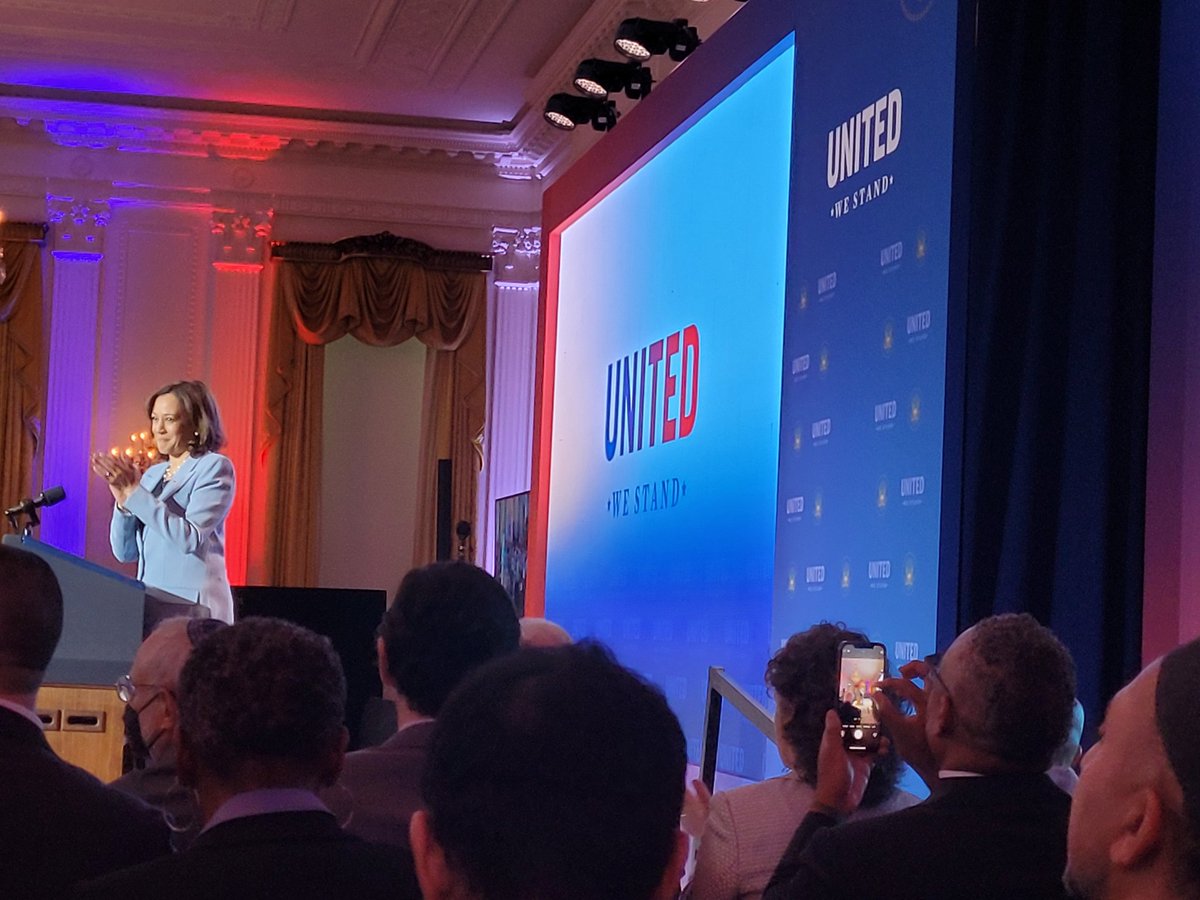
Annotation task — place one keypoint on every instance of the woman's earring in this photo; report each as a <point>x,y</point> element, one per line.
<point>181,809</point>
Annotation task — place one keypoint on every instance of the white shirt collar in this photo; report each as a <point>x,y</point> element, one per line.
<point>22,710</point>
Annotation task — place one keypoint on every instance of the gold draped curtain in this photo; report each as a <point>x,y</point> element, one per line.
<point>382,300</point>
<point>22,359</point>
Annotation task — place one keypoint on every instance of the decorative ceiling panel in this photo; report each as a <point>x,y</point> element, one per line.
<point>251,78</point>
<point>52,15</point>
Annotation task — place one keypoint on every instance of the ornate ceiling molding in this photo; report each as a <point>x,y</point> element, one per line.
<point>24,17</point>
<point>526,148</point>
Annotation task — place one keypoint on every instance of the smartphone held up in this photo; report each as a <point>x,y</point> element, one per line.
<point>860,669</point>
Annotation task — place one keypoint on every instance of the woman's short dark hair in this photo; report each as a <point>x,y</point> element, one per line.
<point>201,410</point>
<point>804,675</point>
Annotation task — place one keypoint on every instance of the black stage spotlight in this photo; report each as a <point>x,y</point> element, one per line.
<point>565,111</point>
<point>597,77</point>
<point>643,38</point>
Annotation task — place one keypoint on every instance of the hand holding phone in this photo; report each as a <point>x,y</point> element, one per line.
<point>861,668</point>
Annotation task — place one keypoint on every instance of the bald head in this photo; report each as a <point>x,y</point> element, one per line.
<point>31,615</point>
<point>160,658</point>
<point>537,632</point>
<point>1129,835</point>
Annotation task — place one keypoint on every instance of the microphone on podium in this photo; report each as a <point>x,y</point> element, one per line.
<point>29,506</point>
<point>48,497</point>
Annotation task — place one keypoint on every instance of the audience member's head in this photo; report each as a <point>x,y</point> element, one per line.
<point>537,632</point>
<point>261,704</point>
<point>31,618</point>
<point>803,677</point>
<point>152,688</point>
<point>1135,818</point>
<point>555,774</point>
<point>1001,700</point>
<point>447,619</point>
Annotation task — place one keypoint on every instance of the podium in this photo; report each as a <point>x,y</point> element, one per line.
<point>105,618</point>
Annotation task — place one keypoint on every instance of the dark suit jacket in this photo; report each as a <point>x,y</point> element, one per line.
<point>384,783</point>
<point>58,824</point>
<point>158,786</point>
<point>1001,837</point>
<point>296,855</point>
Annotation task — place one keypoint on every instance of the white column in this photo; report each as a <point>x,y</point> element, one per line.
<point>512,358</point>
<point>239,245</point>
<point>78,228</point>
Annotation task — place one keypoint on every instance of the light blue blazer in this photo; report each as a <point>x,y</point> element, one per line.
<point>178,536</point>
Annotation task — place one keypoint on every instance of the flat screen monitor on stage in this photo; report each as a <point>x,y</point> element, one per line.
<point>742,378</point>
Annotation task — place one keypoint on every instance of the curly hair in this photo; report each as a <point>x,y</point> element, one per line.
<point>1017,694</point>
<point>200,407</point>
<point>804,675</point>
<point>263,689</point>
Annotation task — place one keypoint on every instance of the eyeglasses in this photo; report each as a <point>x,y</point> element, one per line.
<point>937,676</point>
<point>126,688</point>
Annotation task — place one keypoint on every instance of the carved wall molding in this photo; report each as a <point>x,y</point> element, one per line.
<point>490,151</point>
<point>517,254</point>
<point>239,238</point>
<point>78,223</point>
<point>415,214</point>
<point>298,205</point>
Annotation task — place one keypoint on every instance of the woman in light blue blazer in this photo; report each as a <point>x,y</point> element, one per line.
<point>172,518</point>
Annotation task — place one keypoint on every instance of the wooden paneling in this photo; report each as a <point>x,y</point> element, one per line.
<point>85,726</point>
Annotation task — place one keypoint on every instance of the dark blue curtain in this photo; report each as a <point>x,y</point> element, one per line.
<point>1062,120</point>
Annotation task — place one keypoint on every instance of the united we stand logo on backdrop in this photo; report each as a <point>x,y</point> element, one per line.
<point>864,140</point>
<point>652,398</point>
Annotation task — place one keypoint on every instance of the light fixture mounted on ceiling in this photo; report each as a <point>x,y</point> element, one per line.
<point>565,111</point>
<point>642,38</point>
<point>599,77</point>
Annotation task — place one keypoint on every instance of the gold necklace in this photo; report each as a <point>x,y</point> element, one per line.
<point>172,469</point>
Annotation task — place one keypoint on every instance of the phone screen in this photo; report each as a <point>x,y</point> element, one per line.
<point>860,669</point>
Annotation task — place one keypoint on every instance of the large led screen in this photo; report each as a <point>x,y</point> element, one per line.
<point>666,401</point>
<point>749,337</point>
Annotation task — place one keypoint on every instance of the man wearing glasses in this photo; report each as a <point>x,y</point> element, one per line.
<point>987,722</point>
<point>150,692</point>
<point>58,824</point>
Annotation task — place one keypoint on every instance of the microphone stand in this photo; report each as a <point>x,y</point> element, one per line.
<point>29,507</point>
<point>463,530</point>
<point>31,512</point>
